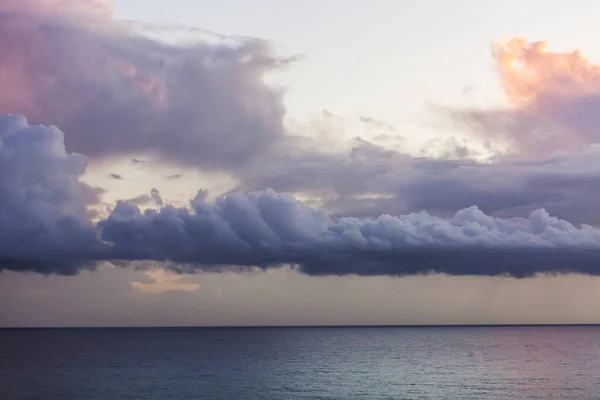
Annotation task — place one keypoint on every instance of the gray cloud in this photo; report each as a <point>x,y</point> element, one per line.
<point>369,180</point>
<point>155,194</point>
<point>450,148</point>
<point>200,103</point>
<point>205,104</point>
<point>91,195</point>
<point>267,229</point>
<point>140,200</point>
<point>117,177</point>
<point>43,228</point>
<point>376,123</point>
<point>42,213</point>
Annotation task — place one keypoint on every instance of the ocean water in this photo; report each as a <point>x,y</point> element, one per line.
<point>301,363</point>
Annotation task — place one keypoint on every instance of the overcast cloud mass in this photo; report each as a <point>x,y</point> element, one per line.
<point>529,210</point>
<point>115,91</point>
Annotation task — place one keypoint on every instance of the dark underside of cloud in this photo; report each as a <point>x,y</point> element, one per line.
<point>266,229</point>
<point>204,104</point>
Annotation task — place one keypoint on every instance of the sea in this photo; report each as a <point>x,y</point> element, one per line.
<point>326,363</point>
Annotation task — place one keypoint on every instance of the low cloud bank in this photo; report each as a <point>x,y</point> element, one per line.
<point>43,228</point>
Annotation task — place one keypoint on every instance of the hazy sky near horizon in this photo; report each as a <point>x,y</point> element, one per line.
<point>381,107</point>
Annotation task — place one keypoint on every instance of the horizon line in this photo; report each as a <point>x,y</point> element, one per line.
<point>306,326</point>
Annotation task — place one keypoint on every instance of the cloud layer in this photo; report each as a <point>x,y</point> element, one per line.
<point>43,228</point>
<point>115,91</point>
<point>549,124</point>
<point>369,180</point>
<point>268,229</point>
<point>42,202</point>
<point>204,103</point>
<point>553,97</point>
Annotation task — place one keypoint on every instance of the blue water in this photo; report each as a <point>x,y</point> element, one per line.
<point>301,363</point>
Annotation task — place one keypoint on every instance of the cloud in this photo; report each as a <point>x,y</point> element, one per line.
<point>369,180</point>
<point>450,148</point>
<point>91,195</point>
<point>376,123</point>
<point>155,194</point>
<point>43,228</point>
<point>552,163</point>
<point>140,200</point>
<point>118,177</point>
<point>200,103</point>
<point>43,213</point>
<point>479,218</point>
<point>268,229</point>
<point>553,100</point>
<point>163,282</point>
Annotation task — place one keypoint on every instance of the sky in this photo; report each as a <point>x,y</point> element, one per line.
<point>285,163</point>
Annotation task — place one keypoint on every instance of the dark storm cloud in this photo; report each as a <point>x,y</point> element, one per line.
<point>42,204</point>
<point>268,229</point>
<point>43,228</point>
<point>115,91</point>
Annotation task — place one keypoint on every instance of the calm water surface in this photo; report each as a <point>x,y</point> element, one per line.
<point>301,363</point>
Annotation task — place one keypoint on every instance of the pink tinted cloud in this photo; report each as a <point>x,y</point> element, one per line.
<point>553,99</point>
<point>113,91</point>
